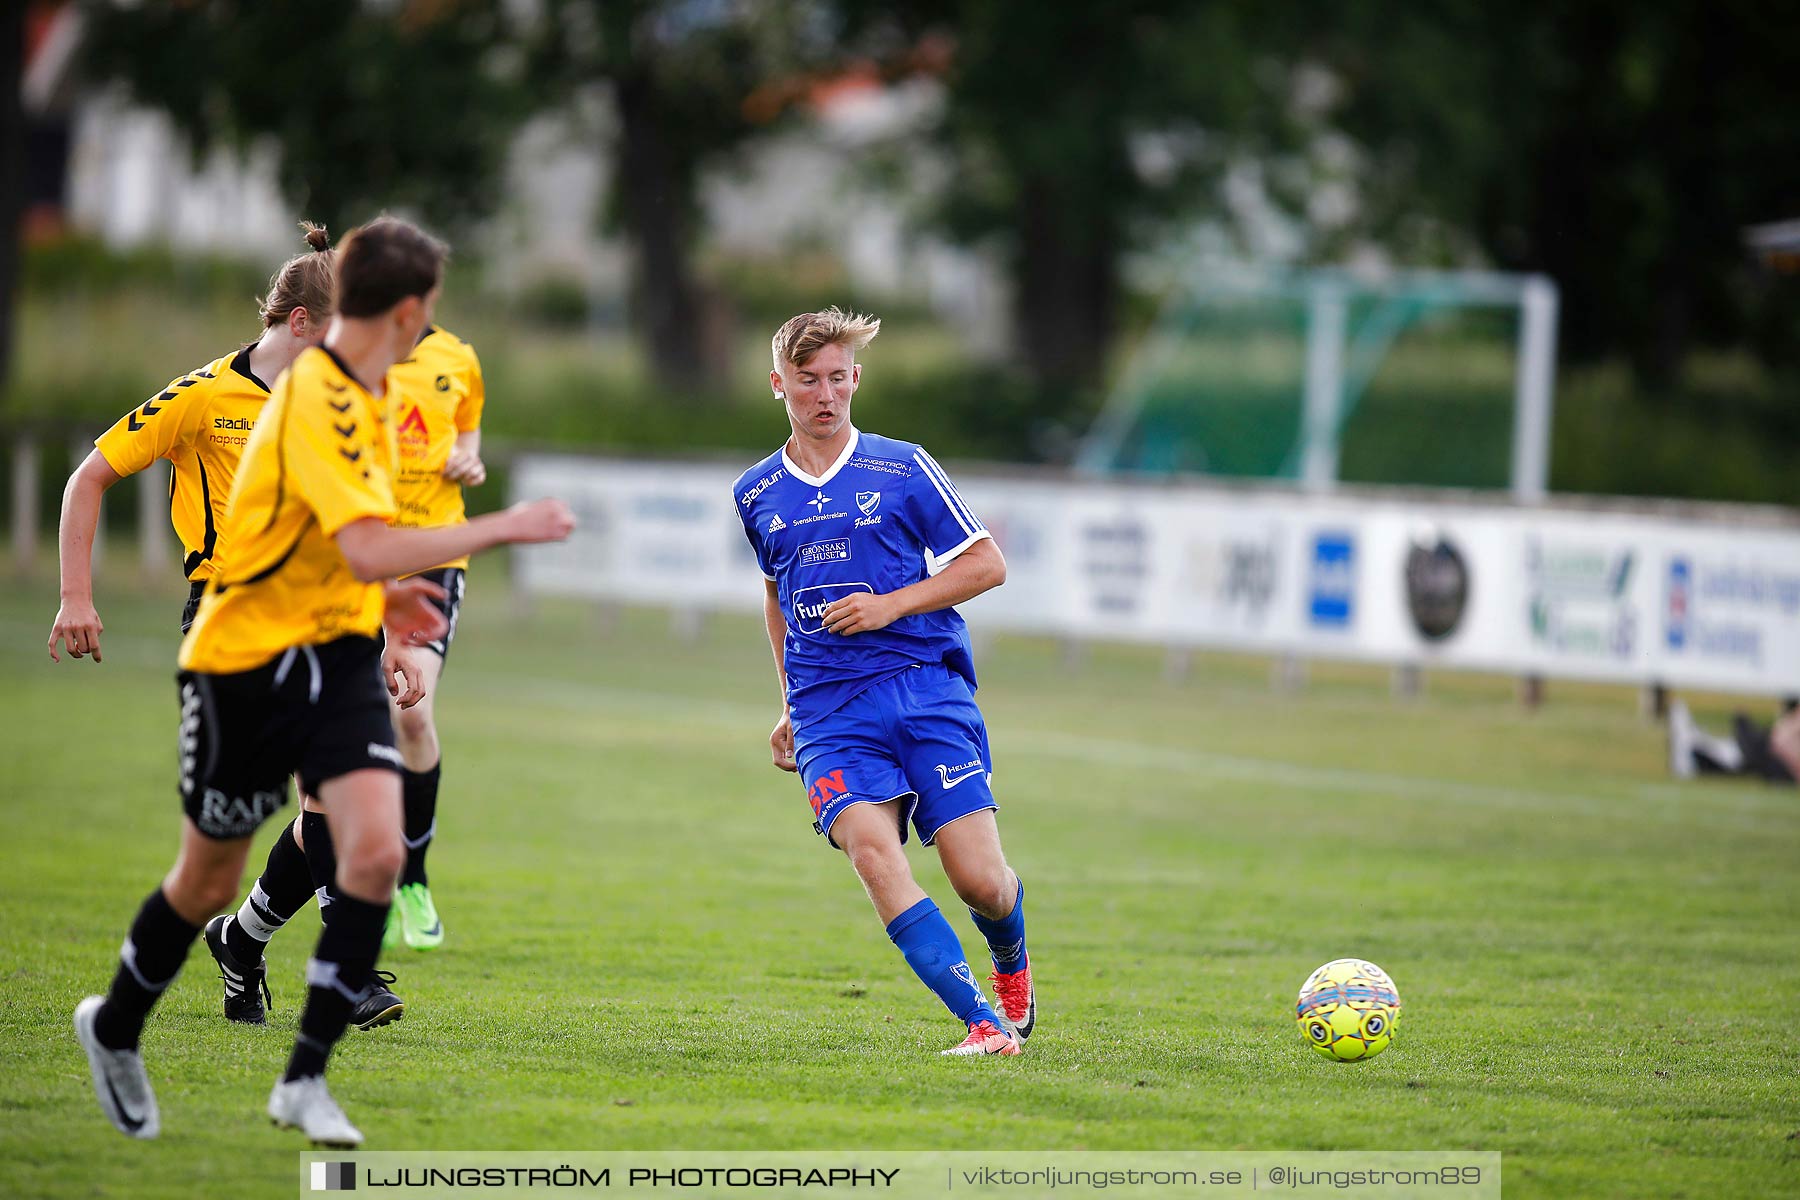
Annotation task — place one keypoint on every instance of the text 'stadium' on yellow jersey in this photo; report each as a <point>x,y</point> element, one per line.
<point>201,423</point>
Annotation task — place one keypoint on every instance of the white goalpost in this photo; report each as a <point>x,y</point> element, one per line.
<point>1313,341</point>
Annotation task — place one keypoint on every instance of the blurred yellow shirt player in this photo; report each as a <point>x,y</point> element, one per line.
<point>438,399</point>
<point>431,423</point>
<point>436,396</point>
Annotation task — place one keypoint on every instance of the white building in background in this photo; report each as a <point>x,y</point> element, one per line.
<point>133,180</point>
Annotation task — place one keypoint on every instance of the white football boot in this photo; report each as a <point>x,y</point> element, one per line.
<point>119,1079</point>
<point>306,1105</point>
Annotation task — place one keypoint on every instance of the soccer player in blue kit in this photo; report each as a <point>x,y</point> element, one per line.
<point>865,547</point>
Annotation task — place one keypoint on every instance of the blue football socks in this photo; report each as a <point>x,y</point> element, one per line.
<point>936,957</point>
<point>1005,937</point>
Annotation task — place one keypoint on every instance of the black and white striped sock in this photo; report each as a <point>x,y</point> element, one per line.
<point>281,891</point>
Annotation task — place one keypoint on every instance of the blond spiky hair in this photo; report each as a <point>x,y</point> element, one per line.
<point>803,336</point>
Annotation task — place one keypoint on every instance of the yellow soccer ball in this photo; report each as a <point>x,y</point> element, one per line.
<point>1348,1010</point>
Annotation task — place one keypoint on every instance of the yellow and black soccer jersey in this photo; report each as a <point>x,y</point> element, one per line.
<point>438,394</point>
<point>200,423</point>
<point>320,457</point>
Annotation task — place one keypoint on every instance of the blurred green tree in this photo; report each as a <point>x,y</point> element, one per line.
<point>1076,132</point>
<point>413,105</point>
<point>683,76</point>
<point>407,106</point>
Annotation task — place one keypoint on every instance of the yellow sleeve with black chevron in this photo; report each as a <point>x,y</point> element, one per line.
<point>157,427</point>
<point>336,456</point>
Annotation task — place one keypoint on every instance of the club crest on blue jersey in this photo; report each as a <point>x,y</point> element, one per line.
<point>868,502</point>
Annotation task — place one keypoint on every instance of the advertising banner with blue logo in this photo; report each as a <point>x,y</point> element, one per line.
<point>1689,596</point>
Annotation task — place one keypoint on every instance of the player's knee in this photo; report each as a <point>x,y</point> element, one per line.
<point>217,895</point>
<point>387,859</point>
<point>990,892</point>
<point>416,731</point>
<point>373,866</point>
<point>876,863</point>
<point>197,890</point>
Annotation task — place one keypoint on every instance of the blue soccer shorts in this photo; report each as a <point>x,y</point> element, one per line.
<point>916,737</point>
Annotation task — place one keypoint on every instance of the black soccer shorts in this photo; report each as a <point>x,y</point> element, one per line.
<point>316,711</point>
<point>451,580</point>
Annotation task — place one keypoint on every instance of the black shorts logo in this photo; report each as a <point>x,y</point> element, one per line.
<point>223,816</point>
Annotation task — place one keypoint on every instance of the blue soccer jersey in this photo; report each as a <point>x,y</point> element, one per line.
<point>883,516</point>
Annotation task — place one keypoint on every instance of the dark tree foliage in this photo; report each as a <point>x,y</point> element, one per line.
<point>413,104</point>
<point>12,177</point>
<point>1077,132</point>
<point>682,75</point>
<point>693,82</point>
<point>1619,147</point>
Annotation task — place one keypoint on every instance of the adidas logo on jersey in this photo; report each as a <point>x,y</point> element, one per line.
<point>776,523</point>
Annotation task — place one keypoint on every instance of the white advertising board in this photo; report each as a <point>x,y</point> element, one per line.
<point>1690,601</point>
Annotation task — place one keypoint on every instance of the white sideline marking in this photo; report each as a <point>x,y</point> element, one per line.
<point>1641,801</point>
<point>1657,801</point>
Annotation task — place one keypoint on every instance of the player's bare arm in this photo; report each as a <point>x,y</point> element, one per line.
<point>781,741</point>
<point>464,465</point>
<point>376,550</point>
<point>77,622</point>
<point>978,569</point>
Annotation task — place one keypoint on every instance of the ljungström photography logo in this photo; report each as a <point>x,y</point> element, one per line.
<point>334,1177</point>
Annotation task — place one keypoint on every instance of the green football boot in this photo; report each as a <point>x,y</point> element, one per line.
<point>419,924</point>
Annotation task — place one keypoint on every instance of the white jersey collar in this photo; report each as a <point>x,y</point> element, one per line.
<point>833,469</point>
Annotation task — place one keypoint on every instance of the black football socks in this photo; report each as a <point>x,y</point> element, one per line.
<point>419,793</point>
<point>148,962</point>
<point>337,978</point>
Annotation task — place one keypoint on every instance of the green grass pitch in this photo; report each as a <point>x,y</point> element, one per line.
<point>649,948</point>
